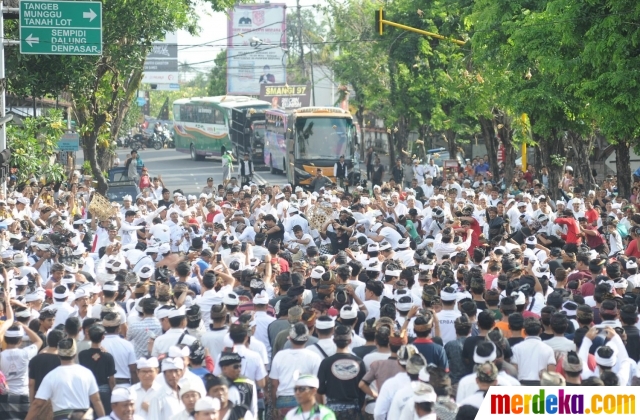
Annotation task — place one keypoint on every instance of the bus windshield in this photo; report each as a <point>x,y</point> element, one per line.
<point>323,138</point>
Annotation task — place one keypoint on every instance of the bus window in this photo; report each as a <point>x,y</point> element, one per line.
<point>205,115</point>
<point>176,113</point>
<point>323,138</point>
<point>218,117</point>
<point>186,111</point>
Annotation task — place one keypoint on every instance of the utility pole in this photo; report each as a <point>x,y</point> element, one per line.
<point>4,119</point>
<point>299,12</point>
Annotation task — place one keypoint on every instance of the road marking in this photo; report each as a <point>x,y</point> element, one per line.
<point>260,179</point>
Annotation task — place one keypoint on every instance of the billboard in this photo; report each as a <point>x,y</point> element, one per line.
<point>285,96</point>
<point>161,65</point>
<point>256,55</point>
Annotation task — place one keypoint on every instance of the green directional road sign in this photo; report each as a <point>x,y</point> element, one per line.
<point>60,27</point>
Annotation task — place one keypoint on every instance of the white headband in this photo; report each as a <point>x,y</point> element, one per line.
<point>611,362</point>
<point>393,273</point>
<point>16,334</point>
<point>448,296</point>
<point>325,325</point>
<point>490,358</point>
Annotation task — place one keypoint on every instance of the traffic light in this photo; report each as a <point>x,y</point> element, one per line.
<point>380,15</point>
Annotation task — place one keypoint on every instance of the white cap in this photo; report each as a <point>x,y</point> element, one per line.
<point>121,394</point>
<point>317,272</point>
<point>519,298</point>
<point>81,293</point>
<point>423,392</point>
<point>348,312</point>
<point>146,271</point>
<point>172,364</point>
<point>261,298</point>
<point>207,404</point>
<point>531,240</point>
<point>311,381</point>
<point>143,363</point>
<point>376,227</point>
<point>631,264</point>
<point>174,313</point>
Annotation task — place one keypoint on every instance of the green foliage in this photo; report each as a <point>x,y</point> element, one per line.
<point>218,76</point>
<point>33,146</point>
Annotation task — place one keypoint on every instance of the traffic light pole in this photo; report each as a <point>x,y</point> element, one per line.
<point>381,21</point>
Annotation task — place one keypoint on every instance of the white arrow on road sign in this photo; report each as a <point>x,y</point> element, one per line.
<point>89,15</point>
<point>32,40</point>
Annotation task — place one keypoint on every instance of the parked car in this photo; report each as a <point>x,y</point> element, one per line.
<point>442,155</point>
<point>119,173</point>
<point>118,189</point>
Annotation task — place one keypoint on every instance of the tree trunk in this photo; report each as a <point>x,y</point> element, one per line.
<point>549,148</point>
<point>452,145</point>
<point>491,142</point>
<point>90,154</point>
<point>502,127</point>
<point>392,151</point>
<point>122,107</point>
<point>582,149</point>
<point>623,168</point>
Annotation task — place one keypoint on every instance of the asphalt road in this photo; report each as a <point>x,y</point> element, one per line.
<point>179,171</point>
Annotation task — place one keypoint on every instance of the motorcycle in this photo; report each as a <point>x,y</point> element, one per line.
<point>168,139</point>
<point>142,141</point>
<point>124,141</point>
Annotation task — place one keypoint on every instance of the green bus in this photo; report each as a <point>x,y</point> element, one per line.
<point>202,124</point>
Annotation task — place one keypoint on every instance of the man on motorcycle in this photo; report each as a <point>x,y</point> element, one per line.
<point>246,170</point>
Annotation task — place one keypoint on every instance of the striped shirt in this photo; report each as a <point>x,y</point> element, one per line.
<point>139,333</point>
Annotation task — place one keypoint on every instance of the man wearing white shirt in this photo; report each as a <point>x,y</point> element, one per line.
<point>380,233</point>
<point>147,370</point>
<point>532,355</point>
<point>428,188</point>
<point>178,322</point>
<point>448,315</point>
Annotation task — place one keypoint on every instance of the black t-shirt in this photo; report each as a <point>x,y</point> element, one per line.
<point>521,235</point>
<point>633,341</point>
<point>276,236</point>
<point>544,336</point>
<point>339,242</point>
<point>100,363</point>
<point>515,340</point>
<point>363,350</point>
<point>468,349</point>
<point>166,203</point>
<point>339,377</point>
<point>40,365</point>
<point>481,305</point>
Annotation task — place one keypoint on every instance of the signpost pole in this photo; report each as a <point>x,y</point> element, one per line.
<point>3,84</point>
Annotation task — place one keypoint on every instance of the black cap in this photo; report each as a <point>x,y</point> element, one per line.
<point>228,358</point>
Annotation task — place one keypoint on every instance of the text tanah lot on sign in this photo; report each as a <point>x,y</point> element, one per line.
<point>60,27</point>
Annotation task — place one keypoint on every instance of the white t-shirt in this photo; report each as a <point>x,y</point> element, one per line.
<point>68,387</point>
<point>160,232</point>
<point>286,362</point>
<point>391,235</point>
<point>14,363</point>
<point>447,318</point>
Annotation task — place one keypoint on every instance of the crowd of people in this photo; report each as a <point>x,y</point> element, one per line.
<point>275,303</point>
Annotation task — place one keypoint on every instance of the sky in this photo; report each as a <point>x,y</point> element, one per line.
<point>213,27</point>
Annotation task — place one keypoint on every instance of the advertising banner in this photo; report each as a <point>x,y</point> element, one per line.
<point>161,65</point>
<point>286,97</point>
<point>256,52</point>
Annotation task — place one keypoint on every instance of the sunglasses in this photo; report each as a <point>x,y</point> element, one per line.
<point>237,366</point>
<point>301,389</point>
